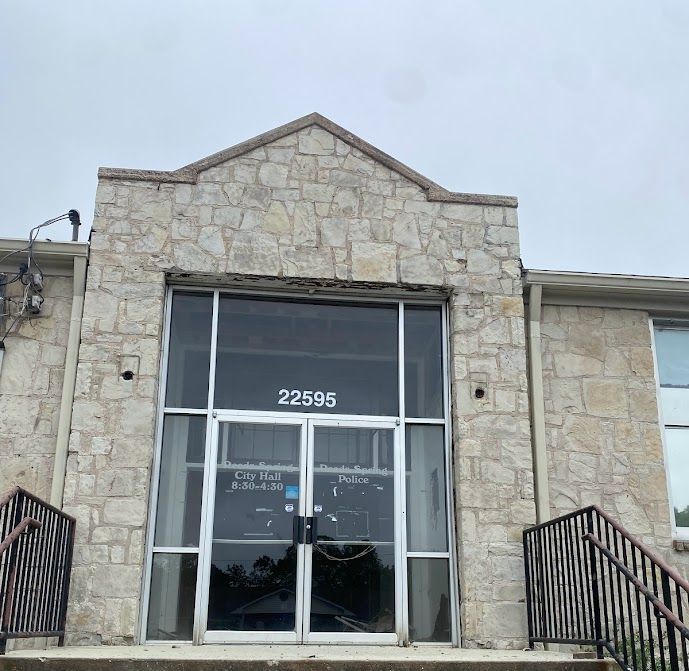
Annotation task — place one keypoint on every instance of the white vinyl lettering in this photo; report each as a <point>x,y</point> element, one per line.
<point>307,397</point>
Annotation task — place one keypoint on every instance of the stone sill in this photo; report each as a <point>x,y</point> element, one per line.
<point>681,545</point>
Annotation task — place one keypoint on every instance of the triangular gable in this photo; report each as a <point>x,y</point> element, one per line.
<point>189,173</point>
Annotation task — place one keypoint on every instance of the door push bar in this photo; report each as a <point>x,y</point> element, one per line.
<point>304,530</point>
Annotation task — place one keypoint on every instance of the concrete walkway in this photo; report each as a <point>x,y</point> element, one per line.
<point>289,658</point>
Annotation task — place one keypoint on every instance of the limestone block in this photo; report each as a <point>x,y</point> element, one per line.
<point>482,263</point>
<point>273,174</point>
<point>188,256</point>
<point>334,231</point>
<point>576,365</point>
<point>317,141</point>
<point>254,253</point>
<point>125,512</point>
<point>319,193</point>
<point>643,405</point>
<point>307,262</point>
<point>116,581</point>
<point>150,205</point>
<point>359,229</point>
<point>276,219</point>
<point>343,178</point>
<point>360,165</point>
<point>583,434</point>
<point>587,341</point>
<point>374,262</point>
<point>421,269</point>
<point>345,203</point>
<point>605,398</point>
<point>304,224</point>
<point>405,231</point>
<point>372,205</point>
<point>256,196</point>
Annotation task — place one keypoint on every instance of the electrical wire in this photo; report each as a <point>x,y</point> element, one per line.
<point>26,275</point>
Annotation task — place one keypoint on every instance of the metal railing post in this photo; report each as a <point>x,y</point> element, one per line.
<point>11,569</point>
<point>529,594</point>
<point>595,596</point>
<point>671,638</point>
<point>66,579</point>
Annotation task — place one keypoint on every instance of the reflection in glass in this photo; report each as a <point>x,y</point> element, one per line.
<point>189,352</point>
<point>353,484</point>
<point>423,363</point>
<point>345,350</point>
<point>171,602</point>
<point>252,587</point>
<point>257,483</point>
<point>181,481</point>
<point>672,351</point>
<point>429,600</point>
<point>426,508</point>
<point>356,595</point>
<point>677,443</point>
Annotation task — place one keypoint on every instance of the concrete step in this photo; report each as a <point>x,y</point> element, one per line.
<point>291,658</point>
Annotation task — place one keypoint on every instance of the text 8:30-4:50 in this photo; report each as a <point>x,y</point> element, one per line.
<point>307,397</point>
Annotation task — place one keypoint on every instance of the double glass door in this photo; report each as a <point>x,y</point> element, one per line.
<point>302,531</point>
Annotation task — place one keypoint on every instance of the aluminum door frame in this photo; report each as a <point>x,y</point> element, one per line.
<point>206,544</point>
<point>398,635</point>
<point>301,634</point>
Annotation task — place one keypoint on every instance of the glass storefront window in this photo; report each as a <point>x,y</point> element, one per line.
<point>672,358</point>
<point>677,443</point>
<point>304,464</point>
<point>423,368</point>
<point>429,600</point>
<point>189,352</point>
<point>426,489</point>
<point>173,591</point>
<point>180,486</point>
<point>306,357</point>
<point>672,348</point>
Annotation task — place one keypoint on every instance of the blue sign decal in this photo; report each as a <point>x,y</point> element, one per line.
<point>292,492</point>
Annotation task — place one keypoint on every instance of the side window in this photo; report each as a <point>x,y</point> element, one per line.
<point>672,353</point>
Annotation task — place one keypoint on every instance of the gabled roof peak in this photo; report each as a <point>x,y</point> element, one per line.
<point>189,173</point>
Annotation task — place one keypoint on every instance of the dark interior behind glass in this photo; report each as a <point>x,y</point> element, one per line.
<point>307,357</point>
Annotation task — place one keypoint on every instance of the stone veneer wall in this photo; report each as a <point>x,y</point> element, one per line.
<point>604,439</point>
<point>306,205</point>
<point>31,389</point>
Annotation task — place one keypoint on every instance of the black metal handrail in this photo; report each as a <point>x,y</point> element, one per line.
<point>36,546</point>
<point>590,582</point>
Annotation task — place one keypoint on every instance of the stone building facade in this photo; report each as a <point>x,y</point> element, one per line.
<point>603,421</point>
<point>31,378</point>
<point>309,202</point>
<point>311,209</point>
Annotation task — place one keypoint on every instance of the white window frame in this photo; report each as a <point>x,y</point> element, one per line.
<point>678,533</point>
<point>211,414</point>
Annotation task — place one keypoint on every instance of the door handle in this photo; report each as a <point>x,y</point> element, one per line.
<point>298,529</point>
<point>311,530</point>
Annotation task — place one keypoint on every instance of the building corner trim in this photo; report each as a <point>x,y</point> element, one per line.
<point>538,438</point>
<point>57,488</point>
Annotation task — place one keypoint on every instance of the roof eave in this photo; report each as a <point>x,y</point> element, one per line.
<point>660,295</point>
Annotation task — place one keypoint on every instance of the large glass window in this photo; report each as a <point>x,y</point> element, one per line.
<point>423,367</point>
<point>189,352</point>
<point>307,357</point>
<point>672,353</point>
<point>181,481</point>
<point>312,356</point>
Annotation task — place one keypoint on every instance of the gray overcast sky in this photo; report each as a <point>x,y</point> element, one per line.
<point>579,108</point>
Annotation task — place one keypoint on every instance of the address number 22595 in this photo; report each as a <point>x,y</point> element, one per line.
<point>307,397</point>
